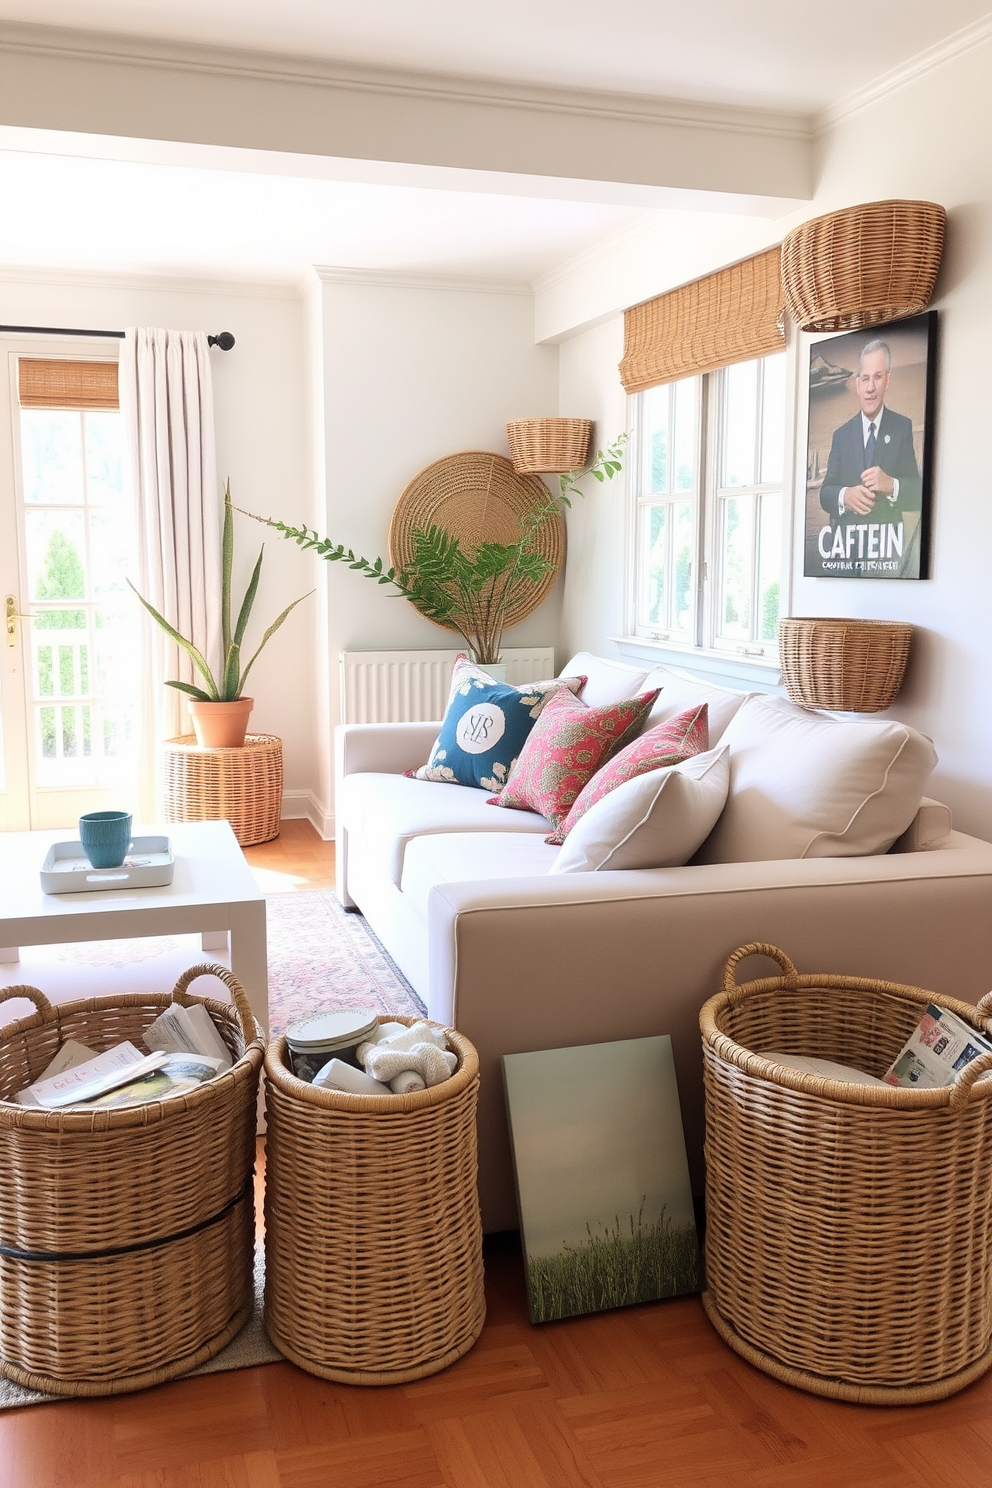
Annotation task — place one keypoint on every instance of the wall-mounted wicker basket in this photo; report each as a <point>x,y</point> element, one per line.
<point>551,445</point>
<point>863,265</point>
<point>849,666</point>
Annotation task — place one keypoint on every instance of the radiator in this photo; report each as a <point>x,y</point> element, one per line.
<point>412,686</point>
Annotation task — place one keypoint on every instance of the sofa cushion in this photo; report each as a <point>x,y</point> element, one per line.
<point>485,725</point>
<point>606,681</point>
<point>679,691</point>
<point>567,744</point>
<point>678,739</point>
<point>655,820</point>
<point>467,857</point>
<point>383,813</point>
<point>805,785</point>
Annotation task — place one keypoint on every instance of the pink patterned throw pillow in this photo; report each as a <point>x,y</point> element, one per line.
<point>566,746</point>
<point>670,743</point>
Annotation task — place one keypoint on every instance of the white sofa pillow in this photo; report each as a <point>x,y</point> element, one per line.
<point>656,820</point>
<point>805,785</point>
<point>606,681</point>
<point>680,691</point>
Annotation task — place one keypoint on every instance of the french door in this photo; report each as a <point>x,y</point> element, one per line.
<point>69,677</point>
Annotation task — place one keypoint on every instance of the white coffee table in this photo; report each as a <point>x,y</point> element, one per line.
<point>213,894</point>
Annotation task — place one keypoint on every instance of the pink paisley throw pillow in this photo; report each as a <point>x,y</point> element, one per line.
<point>669,743</point>
<point>567,745</point>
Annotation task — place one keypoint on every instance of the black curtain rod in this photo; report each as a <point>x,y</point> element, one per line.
<point>223,339</point>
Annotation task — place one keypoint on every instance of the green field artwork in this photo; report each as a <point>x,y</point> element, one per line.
<point>602,1180</point>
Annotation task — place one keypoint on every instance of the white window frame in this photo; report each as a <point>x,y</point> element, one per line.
<point>703,644</point>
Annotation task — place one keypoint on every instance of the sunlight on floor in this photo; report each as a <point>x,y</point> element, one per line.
<point>271,881</point>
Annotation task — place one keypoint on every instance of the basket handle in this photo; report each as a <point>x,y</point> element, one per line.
<point>983,1009</point>
<point>30,994</point>
<point>239,997</point>
<point>963,1087</point>
<point>755,948</point>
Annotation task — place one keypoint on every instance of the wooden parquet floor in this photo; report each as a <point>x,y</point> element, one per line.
<point>644,1398</point>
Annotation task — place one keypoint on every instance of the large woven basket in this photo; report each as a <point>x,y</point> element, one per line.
<point>126,1236</point>
<point>847,1239</point>
<point>552,445</point>
<point>863,265</point>
<point>851,666</point>
<point>242,785</point>
<point>373,1239</point>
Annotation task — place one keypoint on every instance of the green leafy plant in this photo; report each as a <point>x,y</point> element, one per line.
<point>468,591</point>
<point>232,680</point>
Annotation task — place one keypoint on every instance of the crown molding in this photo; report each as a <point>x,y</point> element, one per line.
<point>968,39</point>
<point>407,279</point>
<point>287,288</point>
<point>63,43</point>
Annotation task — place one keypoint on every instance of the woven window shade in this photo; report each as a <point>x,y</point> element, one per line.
<point>46,382</point>
<point>731,316</point>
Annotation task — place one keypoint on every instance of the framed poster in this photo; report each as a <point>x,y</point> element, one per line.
<point>868,456</point>
<point>606,1213</point>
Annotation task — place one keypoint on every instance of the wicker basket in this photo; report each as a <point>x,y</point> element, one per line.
<point>126,1236</point>
<point>549,444</point>
<point>373,1240</point>
<point>242,786</point>
<point>847,1241</point>
<point>863,265</point>
<point>851,666</point>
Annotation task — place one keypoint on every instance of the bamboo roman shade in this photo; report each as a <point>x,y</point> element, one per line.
<point>730,316</point>
<point>47,382</point>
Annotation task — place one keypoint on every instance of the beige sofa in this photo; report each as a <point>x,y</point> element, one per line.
<point>518,957</point>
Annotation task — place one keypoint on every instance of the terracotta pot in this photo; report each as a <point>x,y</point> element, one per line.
<point>220,725</point>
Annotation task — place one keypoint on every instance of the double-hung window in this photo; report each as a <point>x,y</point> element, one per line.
<point>707,463</point>
<point>707,473</point>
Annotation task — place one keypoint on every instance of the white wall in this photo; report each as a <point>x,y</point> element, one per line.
<point>260,421</point>
<point>933,140</point>
<point>412,373</point>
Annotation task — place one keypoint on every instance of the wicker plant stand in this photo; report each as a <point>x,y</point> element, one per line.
<point>242,786</point>
<point>847,1241</point>
<point>373,1239</point>
<point>126,1236</point>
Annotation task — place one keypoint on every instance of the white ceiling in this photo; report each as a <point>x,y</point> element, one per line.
<point>779,54</point>
<point>71,201</point>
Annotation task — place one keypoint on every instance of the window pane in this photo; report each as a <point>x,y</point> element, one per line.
<point>773,419</point>
<point>686,438</point>
<point>736,568</point>
<point>740,417</point>
<point>55,555</point>
<point>51,455</point>
<point>655,411</point>
<point>111,555</point>
<point>104,458</point>
<point>683,542</point>
<point>769,565</point>
<point>652,607</point>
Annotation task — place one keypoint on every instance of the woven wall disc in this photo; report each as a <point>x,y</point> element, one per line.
<point>478,497</point>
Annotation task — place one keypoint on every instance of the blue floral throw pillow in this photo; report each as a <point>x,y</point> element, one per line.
<point>485,726</point>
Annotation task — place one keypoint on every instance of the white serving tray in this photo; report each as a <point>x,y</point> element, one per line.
<point>67,869</point>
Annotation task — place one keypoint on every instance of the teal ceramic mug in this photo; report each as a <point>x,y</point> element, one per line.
<point>106,837</point>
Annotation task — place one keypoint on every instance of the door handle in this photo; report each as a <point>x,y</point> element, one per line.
<point>11,615</point>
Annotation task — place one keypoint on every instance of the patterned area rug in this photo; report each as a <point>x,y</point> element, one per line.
<point>319,957</point>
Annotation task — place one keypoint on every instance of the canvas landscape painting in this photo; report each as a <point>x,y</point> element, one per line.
<point>606,1212</point>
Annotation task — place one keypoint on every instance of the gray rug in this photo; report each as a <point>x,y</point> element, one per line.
<point>250,1347</point>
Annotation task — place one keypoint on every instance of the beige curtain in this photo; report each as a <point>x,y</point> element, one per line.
<point>730,316</point>
<point>166,397</point>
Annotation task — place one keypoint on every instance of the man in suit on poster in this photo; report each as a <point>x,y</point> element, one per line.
<point>872,471</point>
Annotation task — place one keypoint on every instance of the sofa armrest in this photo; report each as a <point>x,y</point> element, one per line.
<point>930,828</point>
<point>382,748</point>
